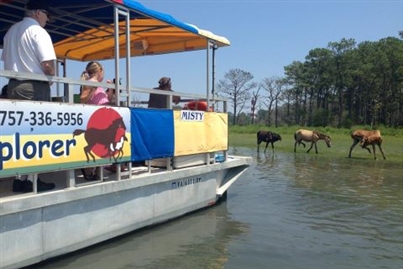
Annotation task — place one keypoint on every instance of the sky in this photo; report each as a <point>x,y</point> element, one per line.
<point>265,36</point>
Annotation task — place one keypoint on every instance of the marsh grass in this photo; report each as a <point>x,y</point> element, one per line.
<point>245,136</point>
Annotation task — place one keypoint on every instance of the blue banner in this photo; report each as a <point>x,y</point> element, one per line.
<point>152,133</point>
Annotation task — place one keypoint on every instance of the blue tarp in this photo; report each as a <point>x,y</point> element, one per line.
<point>152,133</point>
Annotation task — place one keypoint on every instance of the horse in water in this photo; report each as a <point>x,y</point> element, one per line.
<point>367,138</point>
<point>310,136</point>
<point>268,137</point>
<point>105,137</point>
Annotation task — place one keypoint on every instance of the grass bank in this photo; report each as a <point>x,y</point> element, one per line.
<point>245,136</point>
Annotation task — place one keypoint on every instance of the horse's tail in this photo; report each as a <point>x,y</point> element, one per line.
<point>78,132</point>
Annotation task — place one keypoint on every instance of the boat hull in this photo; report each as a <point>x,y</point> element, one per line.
<point>45,225</point>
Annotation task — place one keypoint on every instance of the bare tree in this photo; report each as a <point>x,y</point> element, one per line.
<point>255,97</point>
<point>272,86</point>
<point>281,87</point>
<point>236,87</point>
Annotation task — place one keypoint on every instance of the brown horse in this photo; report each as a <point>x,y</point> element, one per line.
<point>366,138</point>
<point>310,136</point>
<point>105,137</point>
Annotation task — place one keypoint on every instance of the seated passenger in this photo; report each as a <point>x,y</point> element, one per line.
<point>161,101</point>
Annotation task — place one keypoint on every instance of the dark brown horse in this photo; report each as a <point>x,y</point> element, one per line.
<point>310,136</point>
<point>105,137</point>
<point>268,137</point>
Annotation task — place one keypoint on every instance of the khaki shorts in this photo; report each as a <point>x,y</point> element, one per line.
<point>28,90</point>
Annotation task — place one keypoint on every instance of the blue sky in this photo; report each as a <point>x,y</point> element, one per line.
<point>265,36</point>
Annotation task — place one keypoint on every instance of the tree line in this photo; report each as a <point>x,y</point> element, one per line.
<point>342,85</point>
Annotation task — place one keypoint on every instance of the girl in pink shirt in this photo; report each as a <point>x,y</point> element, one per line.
<point>94,95</point>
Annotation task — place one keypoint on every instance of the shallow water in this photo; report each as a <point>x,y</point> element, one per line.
<point>287,211</point>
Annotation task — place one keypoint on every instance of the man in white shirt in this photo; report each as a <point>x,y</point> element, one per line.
<point>28,48</point>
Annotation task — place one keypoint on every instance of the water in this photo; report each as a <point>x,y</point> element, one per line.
<point>287,211</point>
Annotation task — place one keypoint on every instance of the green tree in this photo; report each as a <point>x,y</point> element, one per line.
<point>342,74</point>
<point>294,75</point>
<point>319,79</point>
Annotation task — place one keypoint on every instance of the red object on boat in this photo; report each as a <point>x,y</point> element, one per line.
<point>197,105</point>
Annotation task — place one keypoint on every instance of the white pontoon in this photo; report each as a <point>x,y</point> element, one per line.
<point>169,161</point>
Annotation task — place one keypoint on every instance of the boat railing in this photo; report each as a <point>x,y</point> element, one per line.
<point>69,86</point>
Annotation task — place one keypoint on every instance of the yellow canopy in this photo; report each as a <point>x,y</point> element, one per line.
<point>147,37</point>
<point>83,30</point>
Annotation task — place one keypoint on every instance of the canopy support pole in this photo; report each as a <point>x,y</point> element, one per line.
<point>214,48</point>
<point>208,73</point>
<point>117,53</point>
<point>119,10</point>
<point>128,55</point>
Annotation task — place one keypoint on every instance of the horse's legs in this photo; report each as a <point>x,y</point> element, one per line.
<point>311,147</point>
<point>92,155</point>
<point>365,147</point>
<point>380,148</point>
<point>87,151</point>
<point>373,149</point>
<point>272,146</point>
<point>316,147</point>
<point>120,154</point>
<point>258,143</point>
<point>299,142</point>
<point>267,143</point>
<point>355,142</point>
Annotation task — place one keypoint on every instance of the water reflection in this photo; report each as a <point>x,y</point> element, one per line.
<point>342,208</point>
<point>287,211</point>
<point>182,243</point>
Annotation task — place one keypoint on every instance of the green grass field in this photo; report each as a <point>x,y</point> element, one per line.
<point>341,142</point>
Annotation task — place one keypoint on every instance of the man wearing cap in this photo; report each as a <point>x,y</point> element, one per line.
<point>28,48</point>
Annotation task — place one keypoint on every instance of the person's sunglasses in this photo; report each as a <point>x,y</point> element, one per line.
<point>44,11</point>
<point>50,19</point>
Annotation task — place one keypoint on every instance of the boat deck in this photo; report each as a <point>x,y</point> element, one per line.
<point>58,178</point>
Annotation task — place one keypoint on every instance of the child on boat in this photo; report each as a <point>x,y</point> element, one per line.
<point>94,95</point>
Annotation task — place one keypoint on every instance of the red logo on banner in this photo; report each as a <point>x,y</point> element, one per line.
<point>105,134</point>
